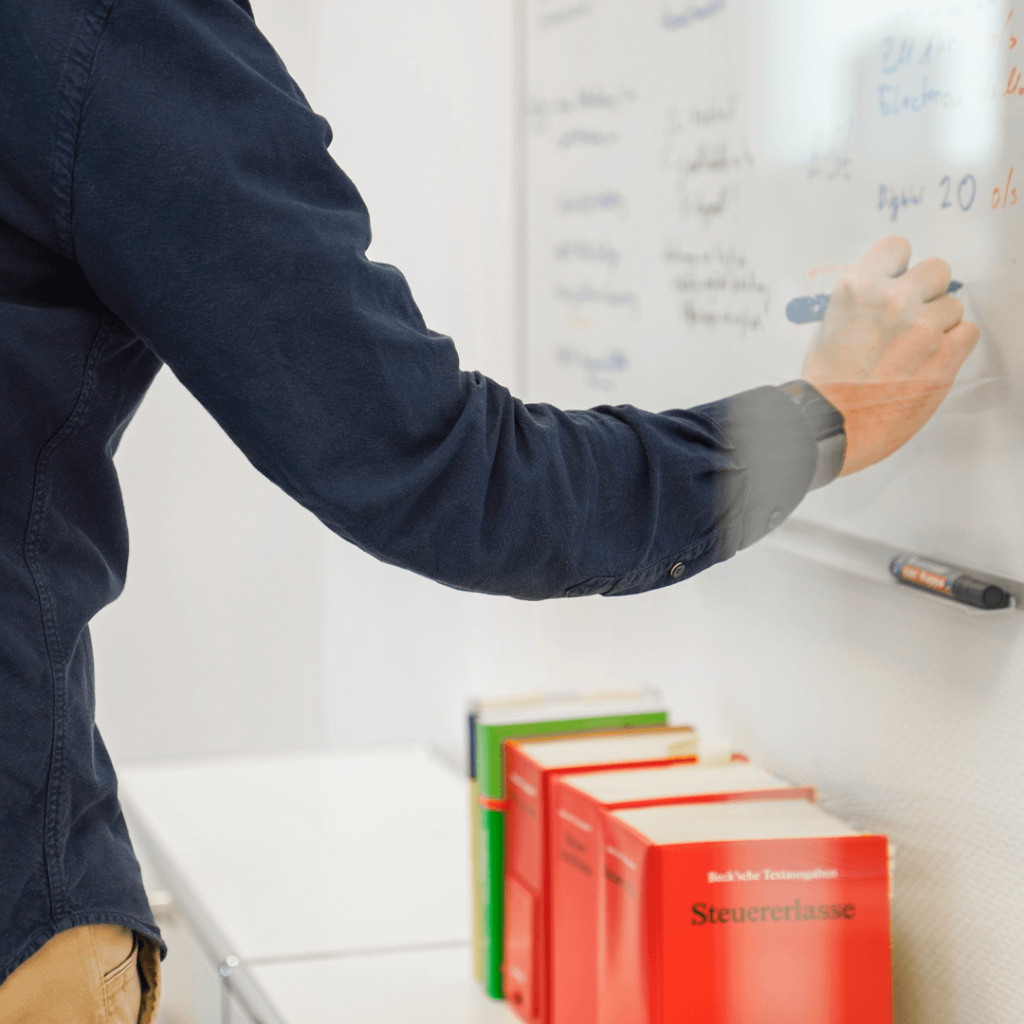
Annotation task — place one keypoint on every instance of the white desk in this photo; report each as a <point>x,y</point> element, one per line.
<point>336,882</point>
<point>395,988</point>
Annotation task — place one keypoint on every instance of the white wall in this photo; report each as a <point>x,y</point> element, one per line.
<point>906,712</point>
<point>214,644</point>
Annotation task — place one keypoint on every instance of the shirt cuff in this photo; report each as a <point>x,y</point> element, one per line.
<point>774,443</point>
<point>829,428</point>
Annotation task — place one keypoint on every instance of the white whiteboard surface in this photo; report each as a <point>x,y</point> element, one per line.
<point>692,166</point>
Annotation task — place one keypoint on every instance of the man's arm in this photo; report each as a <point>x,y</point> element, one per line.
<point>208,215</point>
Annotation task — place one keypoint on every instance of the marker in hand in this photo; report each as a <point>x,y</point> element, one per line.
<point>808,308</point>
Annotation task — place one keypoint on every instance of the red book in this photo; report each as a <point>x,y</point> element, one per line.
<point>530,765</point>
<point>742,913</point>
<point>575,809</point>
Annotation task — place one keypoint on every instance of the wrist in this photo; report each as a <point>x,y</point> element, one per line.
<point>827,426</point>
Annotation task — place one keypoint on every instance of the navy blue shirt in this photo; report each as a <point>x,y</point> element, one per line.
<point>166,196</point>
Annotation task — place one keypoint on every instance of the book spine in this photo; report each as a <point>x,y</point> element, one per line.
<point>525,965</point>
<point>573,873</point>
<point>654,930</point>
<point>474,850</point>
<point>491,785</point>
<point>492,896</point>
<point>625,950</point>
<point>475,873</point>
<point>521,950</point>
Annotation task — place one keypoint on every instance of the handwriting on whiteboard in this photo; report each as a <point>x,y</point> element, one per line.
<point>591,295</point>
<point>677,15</point>
<point>717,287</point>
<point>909,67</point>
<point>576,111</point>
<point>707,165</point>
<point>832,161</point>
<point>952,193</point>
<point>598,371</point>
<point>587,251</point>
<point>564,14</point>
<point>607,200</point>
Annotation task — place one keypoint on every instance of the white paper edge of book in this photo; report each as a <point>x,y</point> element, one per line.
<point>674,780</point>
<point>584,748</point>
<point>595,705</point>
<point>733,821</point>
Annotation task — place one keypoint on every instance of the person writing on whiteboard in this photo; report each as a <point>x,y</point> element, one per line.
<point>166,196</point>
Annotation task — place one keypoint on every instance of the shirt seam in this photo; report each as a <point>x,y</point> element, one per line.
<point>55,653</point>
<point>75,75</point>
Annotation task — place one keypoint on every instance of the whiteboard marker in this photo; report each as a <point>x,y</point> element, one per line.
<point>807,308</point>
<point>949,582</point>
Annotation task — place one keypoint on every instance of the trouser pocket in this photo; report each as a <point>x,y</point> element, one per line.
<point>122,989</point>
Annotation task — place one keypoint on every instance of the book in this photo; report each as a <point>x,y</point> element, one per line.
<point>742,913</point>
<point>575,807</point>
<point>530,766</point>
<point>474,857</point>
<point>491,705</point>
<point>502,720</point>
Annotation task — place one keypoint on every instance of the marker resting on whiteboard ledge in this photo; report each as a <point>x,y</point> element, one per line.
<point>805,309</point>
<point>942,579</point>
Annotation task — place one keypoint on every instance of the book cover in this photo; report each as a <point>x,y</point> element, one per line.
<point>618,711</point>
<point>791,927</point>
<point>530,765</point>
<point>477,833</point>
<point>474,855</point>
<point>575,807</point>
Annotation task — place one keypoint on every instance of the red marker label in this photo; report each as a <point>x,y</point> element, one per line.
<point>924,578</point>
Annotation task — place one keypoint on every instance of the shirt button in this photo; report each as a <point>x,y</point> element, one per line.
<point>677,570</point>
<point>774,519</point>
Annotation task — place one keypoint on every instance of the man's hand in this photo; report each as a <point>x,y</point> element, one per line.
<point>890,345</point>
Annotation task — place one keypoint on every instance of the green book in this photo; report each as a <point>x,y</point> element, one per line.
<point>492,705</point>
<point>537,716</point>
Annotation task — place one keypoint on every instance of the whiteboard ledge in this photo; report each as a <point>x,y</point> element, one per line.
<point>870,560</point>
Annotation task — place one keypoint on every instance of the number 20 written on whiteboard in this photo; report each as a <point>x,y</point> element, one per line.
<point>966,190</point>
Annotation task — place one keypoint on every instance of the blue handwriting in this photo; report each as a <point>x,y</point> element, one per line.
<point>693,13</point>
<point>893,200</point>
<point>892,100</point>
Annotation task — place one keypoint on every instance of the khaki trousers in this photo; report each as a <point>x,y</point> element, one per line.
<point>95,974</point>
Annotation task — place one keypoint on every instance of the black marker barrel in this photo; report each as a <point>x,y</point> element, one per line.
<point>979,593</point>
<point>949,582</point>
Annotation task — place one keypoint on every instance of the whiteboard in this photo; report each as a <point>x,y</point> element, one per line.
<point>692,165</point>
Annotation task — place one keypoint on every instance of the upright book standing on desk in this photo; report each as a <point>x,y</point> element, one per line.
<point>560,714</point>
<point>530,767</point>
<point>575,858</point>
<point>757,913</point>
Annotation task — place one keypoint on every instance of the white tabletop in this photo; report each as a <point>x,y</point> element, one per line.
<point>430,987</point>
<point>322,852</point>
